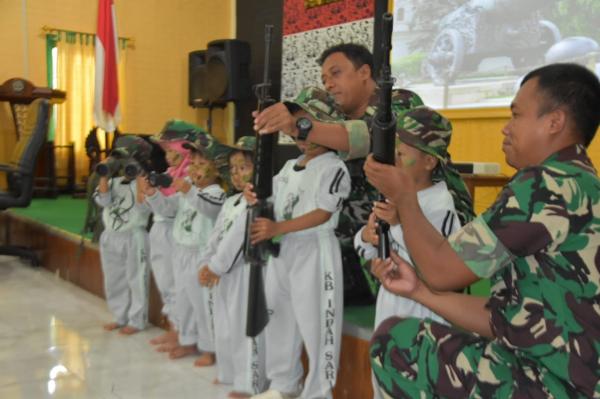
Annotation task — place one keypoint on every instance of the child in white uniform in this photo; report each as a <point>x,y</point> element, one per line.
<point>240,359</point>
<point>423,136</point>
<point>304,283</point>
<point>171,139</point>
<point>197,206</point>
<point>124,245</point>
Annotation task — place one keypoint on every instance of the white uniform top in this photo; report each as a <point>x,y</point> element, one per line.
<point>438,207</point>
<point>121,211</point>
<point>233,212</point>
<point>196,214</point>
<point>161,213</point>
<point>323,183</point>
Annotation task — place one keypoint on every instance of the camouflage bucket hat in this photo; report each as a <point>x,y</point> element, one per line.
<point>210,148</point>
<point>428,131</point>
<point>244,143</point>
<point>129,145</point>
<point>317,103</point>
<point>175,130</point>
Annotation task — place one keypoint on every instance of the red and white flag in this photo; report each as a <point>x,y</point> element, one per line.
<point>106,97</point>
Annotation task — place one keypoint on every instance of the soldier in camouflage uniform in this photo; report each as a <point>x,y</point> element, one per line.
<point>538,335</point>
<point>342,115</point>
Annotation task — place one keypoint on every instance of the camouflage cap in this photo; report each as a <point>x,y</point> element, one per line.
<point>210,148</point>
<point>317,103</point>
<point>175,130</point>
<point>130,145</point>
<point>426,130</point>
<point>245,143</point>
<point>322,106</point>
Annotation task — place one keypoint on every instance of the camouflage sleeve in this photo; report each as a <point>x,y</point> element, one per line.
<point>480,249</point>
<point>359,140</point>
<point>529,216</point>
<point>321,106</point>
<point>359,135</point>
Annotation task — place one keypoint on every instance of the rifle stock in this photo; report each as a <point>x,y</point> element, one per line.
<point>384,122</point>
<point>258,254</point>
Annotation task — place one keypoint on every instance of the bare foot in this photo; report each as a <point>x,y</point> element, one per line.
<point>111,326</point>
<point>128,330</point>
<point>169,336</point>
<point>205,359</point>
<point>216,381</point>
<point>167,347</point>
<point>238,395</point>
<point>181,351</point>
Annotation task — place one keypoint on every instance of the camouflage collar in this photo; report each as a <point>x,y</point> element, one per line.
<point>573,154</point>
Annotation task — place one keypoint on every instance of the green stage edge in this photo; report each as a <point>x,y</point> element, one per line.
<point>67,213</point>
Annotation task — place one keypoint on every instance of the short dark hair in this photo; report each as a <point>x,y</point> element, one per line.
<point>574,87</point>
<point>358,54</point>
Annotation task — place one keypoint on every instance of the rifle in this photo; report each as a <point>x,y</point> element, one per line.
<point>384,123</point>
<point>257,255</point>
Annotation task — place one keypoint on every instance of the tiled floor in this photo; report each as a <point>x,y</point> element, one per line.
<point>52,346</point>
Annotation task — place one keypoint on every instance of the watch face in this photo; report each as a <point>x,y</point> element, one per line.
<point>304,124</point>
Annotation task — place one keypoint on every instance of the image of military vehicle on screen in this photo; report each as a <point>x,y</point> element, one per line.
<point>466,53</point>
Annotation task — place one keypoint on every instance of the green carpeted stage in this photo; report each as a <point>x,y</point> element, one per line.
<point>64,212</point>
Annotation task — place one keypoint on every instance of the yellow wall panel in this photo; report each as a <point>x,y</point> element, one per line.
<point>156,73</point>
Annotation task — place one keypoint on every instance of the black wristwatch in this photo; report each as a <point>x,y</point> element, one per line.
<point>304,126</point>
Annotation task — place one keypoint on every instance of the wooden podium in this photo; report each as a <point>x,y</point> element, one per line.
<point>20,93</point>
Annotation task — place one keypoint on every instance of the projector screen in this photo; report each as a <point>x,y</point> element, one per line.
<point>473,53</point>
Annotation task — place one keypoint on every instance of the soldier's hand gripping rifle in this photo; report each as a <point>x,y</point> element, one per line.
<point>258,254</point>
<point>384,123</point>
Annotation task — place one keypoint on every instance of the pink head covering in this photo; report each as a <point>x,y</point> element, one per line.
<point>180,171</point>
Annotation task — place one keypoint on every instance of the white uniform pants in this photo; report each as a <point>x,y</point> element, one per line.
<point>161,247</point>
<point>240,359</point>
<point>126,275</point>
<point>193,303</point>
<point>305,297</point>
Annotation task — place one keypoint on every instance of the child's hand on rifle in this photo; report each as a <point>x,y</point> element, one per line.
<point>206,277</point>
<point>369,232</point>
<point>249,194</point>
<point>263,229</point>
<point>386,211</point>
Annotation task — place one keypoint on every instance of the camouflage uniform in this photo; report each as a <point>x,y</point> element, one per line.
<point>357,206</point>
<point>539,245</point>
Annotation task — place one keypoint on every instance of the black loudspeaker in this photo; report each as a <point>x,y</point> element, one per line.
<point>227,71</point>
<point>198,95</point>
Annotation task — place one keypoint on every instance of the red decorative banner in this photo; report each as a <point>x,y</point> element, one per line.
<point>298,18</point>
